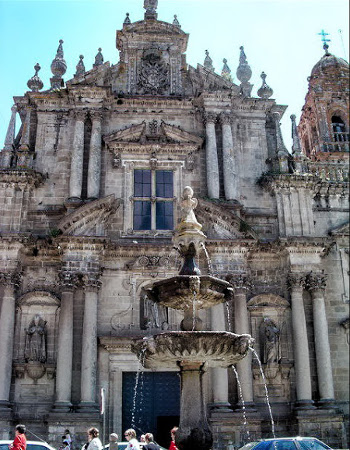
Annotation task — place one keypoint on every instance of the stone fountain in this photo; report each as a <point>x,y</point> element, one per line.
<point>191,350</point>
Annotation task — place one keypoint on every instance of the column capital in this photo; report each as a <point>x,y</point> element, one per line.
<point>296,280</point>
<point>240,281</point>
<point>225,118</point>
<point>79,115</point>
<point>316,281</point>
<point>8,278</point>
<point>91,282</point>
<point>96,115</point>
<point>68,280</point>
<point>210,117</point>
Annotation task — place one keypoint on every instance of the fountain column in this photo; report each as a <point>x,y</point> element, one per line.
<point>76,170</point>
<point>219,375</point>
<point>65,344</point>
<point>228,158</point>
<point>213,182</point>
<point>296,284</point>
<point>316,284</point>
<point>89,345</point>
<point>242,326</point>
<point>94,171</point>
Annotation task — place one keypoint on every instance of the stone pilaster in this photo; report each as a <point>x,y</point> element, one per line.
<point>94,171</point>
<point>219,375</point>
<point>9,282</point>
<point>89,343</point>
<point>296,283</point>
<point>228,158</point>
<point>241,285</point>
<point>316,284</point>
<point>213,182</point>
<point>65,343</point>
<point>76,170</point>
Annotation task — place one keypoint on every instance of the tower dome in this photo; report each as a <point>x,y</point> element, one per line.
<point>328,63</point>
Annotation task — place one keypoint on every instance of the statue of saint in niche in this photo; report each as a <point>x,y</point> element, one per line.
<point>35,349</point>
<point>152,314</point>
<point>270,339</point>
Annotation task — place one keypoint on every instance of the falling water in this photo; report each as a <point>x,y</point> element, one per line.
<point>266,391</point>
<point>194,310</point>
<point>246,434</point>
<point>208,259</point>
<point>229,321</point>
<point>133,424</point>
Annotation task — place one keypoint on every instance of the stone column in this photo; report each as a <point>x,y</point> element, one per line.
<point>65,344</point>
<point>89,344</point>
<point>9,281</point>
<point>213,181</point>
<point>228,158</point>
<point>296,283</point>
<point>241,286</point>
<point>316,284</point>
<point>219,375</point>
<point>76,170</point>
<point>94,171</point>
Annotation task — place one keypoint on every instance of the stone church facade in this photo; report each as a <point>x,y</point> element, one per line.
<point>89,195</point>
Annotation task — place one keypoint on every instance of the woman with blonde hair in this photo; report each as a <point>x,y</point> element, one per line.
<point>130,436</point>
<point>94,440</point>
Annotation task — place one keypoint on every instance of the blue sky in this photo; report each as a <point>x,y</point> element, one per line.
<point>280,37</point>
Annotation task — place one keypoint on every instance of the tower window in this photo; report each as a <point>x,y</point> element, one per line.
<point>339,130</point>
<point>153,200</point>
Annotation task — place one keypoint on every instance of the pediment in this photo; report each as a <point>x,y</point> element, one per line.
<point>153,133</point>
<point>90,219</point>
<point>342,230</point>
<point>220,223</point>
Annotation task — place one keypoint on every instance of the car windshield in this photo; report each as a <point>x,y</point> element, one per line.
<point>312,444</point>
<point>249,446</point>
<point>284,444</point>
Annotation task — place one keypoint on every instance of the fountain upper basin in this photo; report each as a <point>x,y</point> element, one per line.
<point>214,348</point>
<point>181,291</point>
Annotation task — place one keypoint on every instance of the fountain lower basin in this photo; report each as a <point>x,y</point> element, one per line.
<point>212,348</point>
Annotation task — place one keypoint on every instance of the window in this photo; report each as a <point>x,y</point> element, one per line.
<point>339,131</point>
<point>153,200</point>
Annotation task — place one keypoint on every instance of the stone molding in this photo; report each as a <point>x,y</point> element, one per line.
<point>271,300</point>
<point>21,177</point>
<point>42,298</point>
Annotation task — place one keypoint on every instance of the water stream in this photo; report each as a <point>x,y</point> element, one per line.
<point>210,271</point>
<point>246,434</point>
<point>266,391</point>
<point>137,381</point>
<point>194,310</point>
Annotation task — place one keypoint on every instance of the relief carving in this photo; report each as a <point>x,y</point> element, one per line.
<point>154,74</point>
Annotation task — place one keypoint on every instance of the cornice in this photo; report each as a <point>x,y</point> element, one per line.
<point>21,177</point>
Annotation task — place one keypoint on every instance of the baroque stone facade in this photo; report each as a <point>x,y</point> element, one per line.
<point>90,190</point>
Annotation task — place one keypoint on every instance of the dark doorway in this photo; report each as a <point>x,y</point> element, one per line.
<point>151,403</point>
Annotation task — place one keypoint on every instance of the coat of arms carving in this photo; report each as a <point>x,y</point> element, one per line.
<point>154,74</point>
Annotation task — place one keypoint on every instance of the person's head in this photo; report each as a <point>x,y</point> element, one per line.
<point>142,438</point>
<point>20,429</point>
<point>65,442</point>
<point>113,437</point>
<point>149,437</point>
<point>130,434</point>
<point>66,432</point>
<point>93,433</point>
<point>173,432</point>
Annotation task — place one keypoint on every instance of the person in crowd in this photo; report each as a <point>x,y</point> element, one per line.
<point>150,444</point>
<point>172,443</point>
<point>65,445</point>
<point>20,441</point>
<point>67,437</point>
<point>113,441</point>
<point>94,442</point>
<point>133,443</point>
<point>142,439</point>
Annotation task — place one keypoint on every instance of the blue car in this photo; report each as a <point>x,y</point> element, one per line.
<point>289,443</point>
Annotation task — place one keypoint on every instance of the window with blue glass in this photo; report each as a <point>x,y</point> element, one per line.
<point>153,200</point>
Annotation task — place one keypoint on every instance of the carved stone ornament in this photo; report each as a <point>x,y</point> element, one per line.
<point>316,281</point>
<point>10,278</point>
<point>296,280</point>
<point>239,281</point>
<point>154,74</point>
<point>35,347</point>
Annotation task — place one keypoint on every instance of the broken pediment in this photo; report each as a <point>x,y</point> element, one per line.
<point>219,223</point>
<point>90,219</point>
<point>154,132</point>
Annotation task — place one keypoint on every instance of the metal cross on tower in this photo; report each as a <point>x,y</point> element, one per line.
<point>325,40</point>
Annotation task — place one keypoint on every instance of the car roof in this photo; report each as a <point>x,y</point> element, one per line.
<point>44,444</point>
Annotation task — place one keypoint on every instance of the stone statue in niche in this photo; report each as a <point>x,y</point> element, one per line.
<point>152,314</point>
<point>270,339</point>
<point>35,348</point>
<point>154,74</point>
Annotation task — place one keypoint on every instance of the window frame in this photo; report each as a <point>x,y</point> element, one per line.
<point>129,166</point>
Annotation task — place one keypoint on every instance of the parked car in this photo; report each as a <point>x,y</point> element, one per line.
<point>31,445</point>
<point>289,443</point>
<point>122,446</point>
